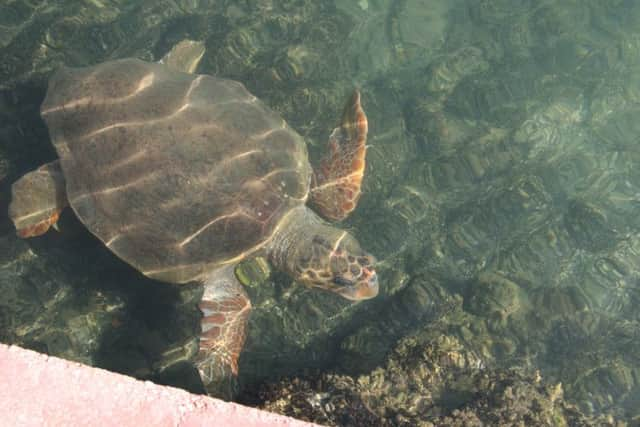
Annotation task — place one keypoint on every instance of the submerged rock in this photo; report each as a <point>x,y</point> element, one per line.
<point>428,380</point>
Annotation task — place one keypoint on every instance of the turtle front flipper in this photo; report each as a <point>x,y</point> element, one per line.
<point>336,187</point>
<point>184,56</point>
<point>37,200</point>
<point>225,309</point>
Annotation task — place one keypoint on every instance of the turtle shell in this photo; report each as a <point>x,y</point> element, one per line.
<point>176,173</point>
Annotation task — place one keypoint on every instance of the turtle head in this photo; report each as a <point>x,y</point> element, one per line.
<point>338,264</point>
<point>320,255</point>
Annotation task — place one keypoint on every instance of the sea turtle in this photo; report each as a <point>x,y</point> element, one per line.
<point>182,176</point>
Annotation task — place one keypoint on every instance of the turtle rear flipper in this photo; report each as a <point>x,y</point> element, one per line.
<point>37,200</point>
<point>337,182</point>
<point>225,309</point>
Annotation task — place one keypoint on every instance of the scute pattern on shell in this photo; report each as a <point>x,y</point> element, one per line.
<point>175,173</point>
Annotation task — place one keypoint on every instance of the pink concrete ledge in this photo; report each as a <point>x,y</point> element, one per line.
<point>39,390</point>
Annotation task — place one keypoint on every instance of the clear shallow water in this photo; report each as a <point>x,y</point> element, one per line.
<point>501,193</point>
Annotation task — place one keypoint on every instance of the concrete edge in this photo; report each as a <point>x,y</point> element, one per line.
<point>40,390</point>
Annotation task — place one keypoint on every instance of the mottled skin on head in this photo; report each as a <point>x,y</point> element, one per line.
<point>339,266</point>
<point>322,256</point>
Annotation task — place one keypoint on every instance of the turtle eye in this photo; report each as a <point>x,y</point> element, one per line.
<point>342,281</point>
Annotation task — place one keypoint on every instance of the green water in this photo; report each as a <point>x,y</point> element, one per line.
<point>501,197</point>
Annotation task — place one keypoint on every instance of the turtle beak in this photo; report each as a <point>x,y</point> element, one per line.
<point>366,287</point>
